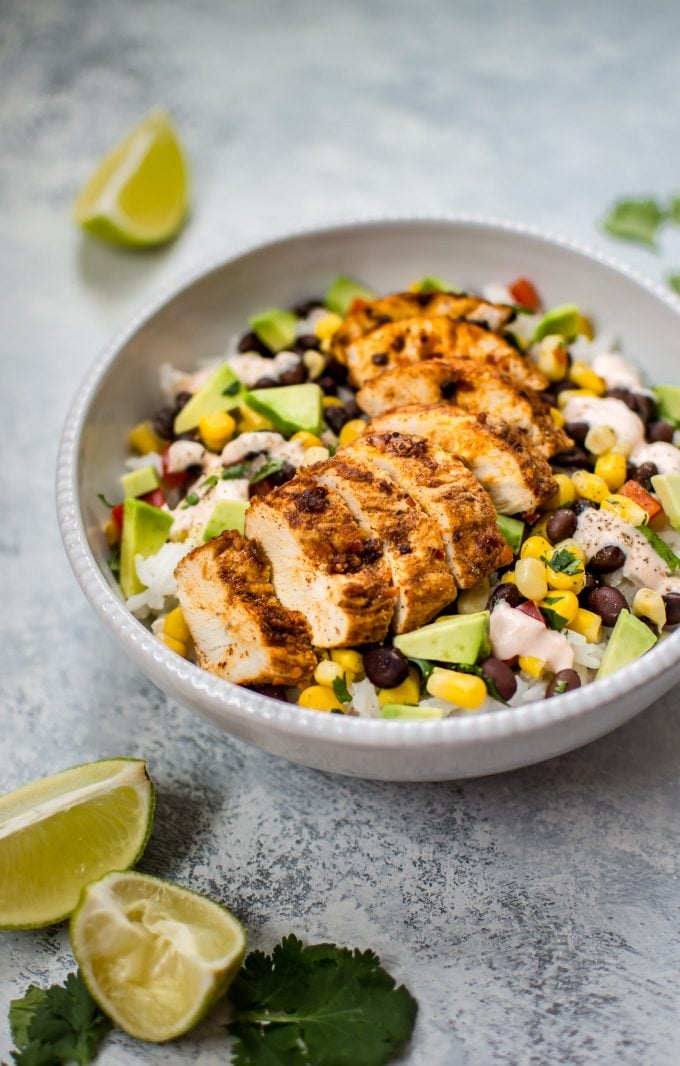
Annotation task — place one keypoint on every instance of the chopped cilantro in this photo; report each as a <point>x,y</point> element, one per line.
<point>564,562</point>
<point>190,501</point>
<point>272,466</point>
<point>635,220</point>
<point>554,620</point>
<point>56,1025</point>
<point>674,282</point>
<point>319,1004</point>
<point>674,210</point>
<point>232,389</point>
<point>102,497</point>
<point>114,562</point>
<point>424,665</point>
<point>341,691</point>
<point>560,687</point>
<point>209,482</point>
<point>661,548</point>
<point>231,472</point>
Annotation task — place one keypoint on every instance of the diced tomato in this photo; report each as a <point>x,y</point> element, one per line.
<point>635,492</point>
<point>174,479</point>
<point>117,515</point>
<point>532,519</point>
<point>532,610</point>
<point>524,294</point>
<point>155,498</point>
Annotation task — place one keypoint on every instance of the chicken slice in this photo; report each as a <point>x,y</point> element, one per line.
<point>323,564</point>
<point>517,477</point>
<point>446,490</point>
<point>412,542</point>
<point>240,630</point>
<point>401,305</point>
<point>412,340</point>
<point>470,387</point>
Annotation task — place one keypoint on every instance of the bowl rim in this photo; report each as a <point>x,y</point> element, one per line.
<point>222,700</point>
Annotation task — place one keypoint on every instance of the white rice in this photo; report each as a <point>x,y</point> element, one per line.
<point>157,572</point>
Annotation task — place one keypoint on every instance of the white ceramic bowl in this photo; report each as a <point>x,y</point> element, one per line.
<point>196,319</point>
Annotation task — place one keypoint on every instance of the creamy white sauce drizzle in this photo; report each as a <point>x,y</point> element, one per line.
<point>262,441</point>
<point>664,455</point>
<point>191,520</point>
<point>184,453</point>
<point>606,411</point>
<point>617,372</point>
<point>515,633</point>
<point>249,367</point>
<point>598,529</point>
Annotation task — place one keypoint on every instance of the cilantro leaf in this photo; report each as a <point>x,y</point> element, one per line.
<point>114,561</point>
<point>560,687</point>
<point>565,562</point>
<point>61,1024</point>
<point>674,210</point>
<point>424,665</point>
<point>341,691</point>
<point>102,497</point>
<point>209,482</point>
<point>320,1004</point>
<point>231,472</point>
<point>674,282</point>
<point>661,548</point>
<point>272,466</point>
<point>554,620</point>
<point>634,220</point>
<point>232,389</point>
<point>190,501</point>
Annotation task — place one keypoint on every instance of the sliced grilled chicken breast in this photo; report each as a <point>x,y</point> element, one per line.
<point>240,630</point>
<point>412,542</point>
<point>517,477</point>
<point>323,564</point>
<point>471,387</point>
<point>446,490</point>
<point>412,305</point>
<point>412,340</point>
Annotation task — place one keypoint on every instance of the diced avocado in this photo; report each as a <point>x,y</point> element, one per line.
<point>434,284</point>
<point>140,481</point>
<point>290,407</point>
<point>668,397</point>
<point>343,292</point>
<point>221,392</point>
<point>402,710</point>
<point>630,639</point>
<point>512,529</point>
<point>564,320</point>
<point>275,328</point>
<point>145,531</point>
<point>667,488</point>
<point>461,639</point>
<point>227,514</point>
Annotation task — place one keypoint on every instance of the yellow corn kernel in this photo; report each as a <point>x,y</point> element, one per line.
<point>539,529</point>
<point>177,646</point>
<point>558,418</point>
<point>585,327</point>
<point>315,455</point>
<point>569,394</point>
<point>407,692</point>
<point>600,439</point>
<point>570,545</point>
<point>325,327</point>
<point>112,533</point>
<point>351,430</point>
<point>551,357</point>
<point>315,363</point>
<point>585,377</point>
<point>649,604</point>
<point>509,578</point>
<point>531,665</point>
<point>627,510</point>
<point>612,469</point>
<point>588,624</point>
<point>327,672</point>
<point>563,603</point>
<point>475,599</point>
<point>531,578</point>
<point>319,698</point>
<point>565,495</point>
<point>535,547</point>
<point>250,421</point>
<point>143,439</point>
<point>307,440</point>
<point>590,486</point>
<point>175,626</point>
<point>350,661</point>
<point>216,429</point>
<point>331,401</point>
<point>464,690</point>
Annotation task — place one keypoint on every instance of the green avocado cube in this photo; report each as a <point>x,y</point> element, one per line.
<point>563,320</point>
<point>402,710</point>
<point>461,639</point>
<point>630,639</point>
<point>667,488</point>
<point>275,328</point>
<point>434,284</point>
<point>343,292</point>
<point>227,514</point>
<point>140,481</point>
<point>512,529</point>
<point>668,397</point>
<point>290,407</point>
<point>145,531</point>
<point>221,392</point>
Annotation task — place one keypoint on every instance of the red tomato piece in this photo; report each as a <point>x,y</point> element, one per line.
<point>155,498</point>
<point>174,479</point>
<point>523,293</point>
<point>638,495</point>
<point>117,515</point>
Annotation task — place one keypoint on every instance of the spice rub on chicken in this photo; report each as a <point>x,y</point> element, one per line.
<point>323,564</point>
<point>446,490</point>
<point>240,630</point>
<point>517,477</point>
<point>412,340</point>
<point>471,387</point>
<point>412,541</point>
<point>366,316</point>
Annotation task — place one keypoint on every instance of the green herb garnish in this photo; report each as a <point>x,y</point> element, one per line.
<point>674,282</point>
<point>341,691</point>
<point>424,665</point>
<point>231,472</point>
<point>564,562</point>
<point>102,497</point>
<point>209,482</point>
<point>60,1024</point>
<point>319,1004</point>
<point>560,687</point>
<point>661,548</point>
<point>471,668</point>
<point>635,220</point>
<point>232,389</point>
<point>674,210</point>
<point>190,501</point>
<point>553,618</point>
<point>272,466</point>
<point>114,562</point>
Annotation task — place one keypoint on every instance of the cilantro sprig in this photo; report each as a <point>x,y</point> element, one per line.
<point>57,1025</point>
<point>272,466</point>
<point>340,690</point>
<point>662,549</point>
<point>564,561</point>
<point>319,1004</point>
<point>640,220</point>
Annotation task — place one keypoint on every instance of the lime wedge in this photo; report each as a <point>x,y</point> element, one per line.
<point>139,193</point>
<point>155,956</point>
<point>61,832</point>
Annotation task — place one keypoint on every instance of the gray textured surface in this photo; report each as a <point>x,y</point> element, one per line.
<point>534,915</point>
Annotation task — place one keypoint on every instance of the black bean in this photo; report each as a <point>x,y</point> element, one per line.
<point>163,421</point>
<point>265,383</point>
<point>561,525</point>
<point>504,594</point>
<point>250,342</point>
<point>305,343</point>
<point>645,407</point>
<point>581,505</point>
<point>275,692</point>
<point>563,681</point>
<point>295,376</point>
<point>644,473</point>
<point>336,370</point>
<point>625,396</point>
<point>608,559</point>
<point>385,667</point>
<point>574,457</point>
<point>191,434</point>
<point>672,601</point>
<point>592,583</point>
<point>631,470</point>
<point>280,477</point>
<point>501,677</point>
<point>352,407</point>
<point>660,430</point>
<point>305,307</point>
<point>327,384</point>
<point>336,417</point>
<point>608,603</point>
<point>578,431</point>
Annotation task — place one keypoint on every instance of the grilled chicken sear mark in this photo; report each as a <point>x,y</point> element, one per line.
<point>240,630</point>
<point>517,477</point>
<point>323,564</point>
<point>470,387</point>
